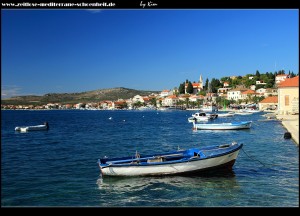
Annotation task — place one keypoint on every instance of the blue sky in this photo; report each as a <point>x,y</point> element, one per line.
<point>68,51</point>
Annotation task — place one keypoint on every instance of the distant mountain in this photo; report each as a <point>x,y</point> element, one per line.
<point>71,98</point>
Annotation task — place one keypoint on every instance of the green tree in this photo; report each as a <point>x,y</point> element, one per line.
<point>235,82</point>
<point>202,92</point>
<point>292,75</point>
<point>153,101</point>
<point>257,74</point>
<point>189,88</point>
<point>215,84</point>
<point>187,102</point>
<point>225,79</point>
<point>181,88</point>
<point>193,104</point>
<point>205,87</point>
<point>138,104</point>
<point>199,102</point>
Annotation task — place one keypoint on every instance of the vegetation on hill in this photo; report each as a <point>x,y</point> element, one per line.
<point>268,78</point>
<point>114,94</point>
<point>72,98</point>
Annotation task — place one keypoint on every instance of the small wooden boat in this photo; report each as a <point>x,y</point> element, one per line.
<point>44,126</point>
<point>223,126</point>
<point>181,162</point>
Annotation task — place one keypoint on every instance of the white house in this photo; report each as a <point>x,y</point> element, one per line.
<point>137,98</point>
<point>260,82</point>
<point>261,91</point>
<point>170,100</point>
<point>271,92</point>
<point>222,91</point>
<point>253,87</point>
<point>280,77</point>
<point>166,93</point>
<point>235,94</point>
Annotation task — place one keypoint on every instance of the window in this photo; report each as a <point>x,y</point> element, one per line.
<point>286,100</point>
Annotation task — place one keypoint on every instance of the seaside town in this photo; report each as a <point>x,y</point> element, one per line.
<point>279,98</point>
<point>252,91</point>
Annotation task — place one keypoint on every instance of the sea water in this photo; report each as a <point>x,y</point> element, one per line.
<point>59,167</point>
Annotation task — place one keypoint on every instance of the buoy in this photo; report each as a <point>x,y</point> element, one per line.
<point>287,135</point>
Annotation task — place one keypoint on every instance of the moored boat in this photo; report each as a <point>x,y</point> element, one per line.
<point>202,116</point>
<point>209,109</point>
<point>241,112</point>
<point>223,126</point>
<point>44,126</point>
<point>181,162</point>
<point>228,114</point>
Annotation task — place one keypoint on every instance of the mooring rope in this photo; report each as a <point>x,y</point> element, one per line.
<point>264,164</point>
<point>253,158</point>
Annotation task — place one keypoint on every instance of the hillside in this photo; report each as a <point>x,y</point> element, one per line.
<point>72,98</point>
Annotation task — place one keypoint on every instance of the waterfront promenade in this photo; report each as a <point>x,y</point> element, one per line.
<point>291,123</point>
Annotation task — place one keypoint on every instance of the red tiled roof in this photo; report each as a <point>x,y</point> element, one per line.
<point>195,85</point>
<point>119,102</point>
<point>271,99</point>
<point>172,96</point>
<point>248,92</point>
<point>290,82</point>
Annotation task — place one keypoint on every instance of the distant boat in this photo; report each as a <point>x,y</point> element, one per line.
<point>252,110</point>
<point>162,108</point>
<point>209,109</point>
<point>228,114</point>
<point>191,109</point>
<point>202,116</point>
<point>181,162</point>
<point>223,126</point>
<point>45,126</point>
<point>242,112</point>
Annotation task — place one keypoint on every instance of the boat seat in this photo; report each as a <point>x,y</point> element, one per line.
<point>156,159</point>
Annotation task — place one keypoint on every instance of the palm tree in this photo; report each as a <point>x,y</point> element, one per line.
<point>187,102</point>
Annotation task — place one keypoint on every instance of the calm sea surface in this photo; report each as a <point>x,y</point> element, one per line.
<point>59,167</point>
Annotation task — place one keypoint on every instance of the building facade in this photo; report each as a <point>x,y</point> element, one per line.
<point>288,96</point>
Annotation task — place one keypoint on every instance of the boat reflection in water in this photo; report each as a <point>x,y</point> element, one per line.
<point>169,190</point>
<point>209,179</point>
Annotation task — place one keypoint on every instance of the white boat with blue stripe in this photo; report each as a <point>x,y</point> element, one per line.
<point>181,162</point>
<point>223,126</point>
